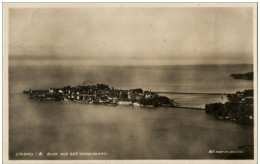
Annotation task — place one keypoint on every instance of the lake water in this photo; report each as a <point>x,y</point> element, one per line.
<point>124,132</point>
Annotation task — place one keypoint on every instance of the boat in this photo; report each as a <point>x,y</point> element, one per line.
<point>136,104</point>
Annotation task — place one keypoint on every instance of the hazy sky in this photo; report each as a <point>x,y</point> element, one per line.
<point>177,35</point>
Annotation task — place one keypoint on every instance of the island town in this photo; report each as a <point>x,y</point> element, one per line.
<point>102,94</point>
<point>238,108</point>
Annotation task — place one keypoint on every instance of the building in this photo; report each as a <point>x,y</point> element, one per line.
<point>124,102</point>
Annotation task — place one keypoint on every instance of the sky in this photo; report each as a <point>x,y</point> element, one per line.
<point>161,35</point>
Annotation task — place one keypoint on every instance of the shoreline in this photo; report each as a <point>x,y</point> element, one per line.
<point>191,108</point>
<point>130,105</point>
<point>196,93</point>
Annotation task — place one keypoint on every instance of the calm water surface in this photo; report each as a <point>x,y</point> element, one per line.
<point>124,132</point>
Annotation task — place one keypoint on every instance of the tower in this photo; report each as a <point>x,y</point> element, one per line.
<point>129,96</point>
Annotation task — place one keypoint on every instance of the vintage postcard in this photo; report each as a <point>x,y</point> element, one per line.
<point>130,82</point>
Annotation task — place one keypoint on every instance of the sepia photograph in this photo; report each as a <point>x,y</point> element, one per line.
<point>130,81</point>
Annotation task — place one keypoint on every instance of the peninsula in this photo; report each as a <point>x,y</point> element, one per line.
<point>102,94</point>
<point>239,108</point>
<point>245,76</point>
